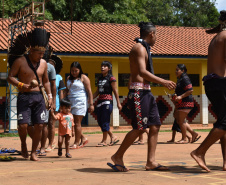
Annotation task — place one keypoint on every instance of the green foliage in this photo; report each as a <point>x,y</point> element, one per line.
<point>194,13</point>
<point>11,6</point>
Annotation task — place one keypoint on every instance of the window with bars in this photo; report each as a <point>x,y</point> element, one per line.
<point>3,81</point>
<point>194,79</point>
<point>123,79</point>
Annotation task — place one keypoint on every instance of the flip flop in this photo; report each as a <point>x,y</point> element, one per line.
<point>138,143</point>
<point>10,150</point>
<point>181,142</point>
<point>7,158</point>
<point>4,150</point>
<point>114,167</point>
<point>48,149</point>
<point>101,145</point>
<point>158,168</point>
<point>68,155</point>
<point>196,139</point>
<point>53,147</point>
<point>74,147</point>
<point>42,154</point>
<point>114,142</point>
<point>84,143</point>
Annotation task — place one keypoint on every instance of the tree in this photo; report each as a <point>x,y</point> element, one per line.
<point>11,6</point>
<point>193,13</point>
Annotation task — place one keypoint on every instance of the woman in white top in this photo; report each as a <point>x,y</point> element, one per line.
<point>78,86</point>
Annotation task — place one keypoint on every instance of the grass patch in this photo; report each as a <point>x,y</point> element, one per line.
<point>9,135</point>
<point>202,130</point>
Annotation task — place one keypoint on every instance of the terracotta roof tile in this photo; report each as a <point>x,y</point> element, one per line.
<point>107,38</point>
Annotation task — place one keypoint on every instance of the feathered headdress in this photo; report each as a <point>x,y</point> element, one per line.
<point>58,63</point>
<point>37,39</point>
<point>48,53</point>
<point>49,56</point>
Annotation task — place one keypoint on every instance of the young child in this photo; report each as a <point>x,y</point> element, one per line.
<point>66,125</point>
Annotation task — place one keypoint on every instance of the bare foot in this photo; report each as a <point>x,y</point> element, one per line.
<point>120,162</point>
<point>24,151</point>
<point>50,148</point>
<point>195,137</point>
<point>171,141</point>
<point>74,146</point>
<point>189,139</point>
<point>114,140</point>
<point>182,142</point>
<point>85,141</point>
<point>42,150</point>
<point>224,167</point>
<point>157,167</point>
<point>200,160</point>
<point>138,143</point>
<point>34,157</point>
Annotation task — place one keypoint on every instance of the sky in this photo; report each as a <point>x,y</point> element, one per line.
<point>220,5</point>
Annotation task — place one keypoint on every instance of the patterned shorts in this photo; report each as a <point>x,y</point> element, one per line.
<point>143,109</point>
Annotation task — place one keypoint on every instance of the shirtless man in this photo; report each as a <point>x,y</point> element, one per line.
<point>30,101</point>
<point>215,89</point>
<point>144,110</point>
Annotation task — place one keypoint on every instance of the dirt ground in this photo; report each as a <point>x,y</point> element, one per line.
<point>88,165</point>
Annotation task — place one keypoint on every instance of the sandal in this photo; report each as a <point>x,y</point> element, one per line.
<point>12,150</point>
<point>85,142</point>
<point>138,143</point>
<point>4,150</point>
<point>74,147</point>
<point>59,151</point>
<point>114,142</point>
<point>101,144</point>
<point>68,155</point>
<point>182,142</point>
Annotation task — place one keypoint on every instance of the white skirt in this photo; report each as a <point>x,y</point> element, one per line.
<point>78,106</point>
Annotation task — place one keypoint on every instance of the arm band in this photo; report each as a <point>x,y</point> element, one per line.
<point>20,85</point>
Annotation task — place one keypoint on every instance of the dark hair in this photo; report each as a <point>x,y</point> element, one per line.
<point>106,63</point>
<point>76,65</point>
<point>182,67</point>
<point>58,63</point>
<point>219,27</point>
<point>146,28</point>
<point>222,16</point>
<point>65,102</point>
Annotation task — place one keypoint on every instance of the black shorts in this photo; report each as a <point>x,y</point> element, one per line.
<point>143,109</point>
<point>175,126</point>
<point>31,108</point>
<point>216,92</point>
